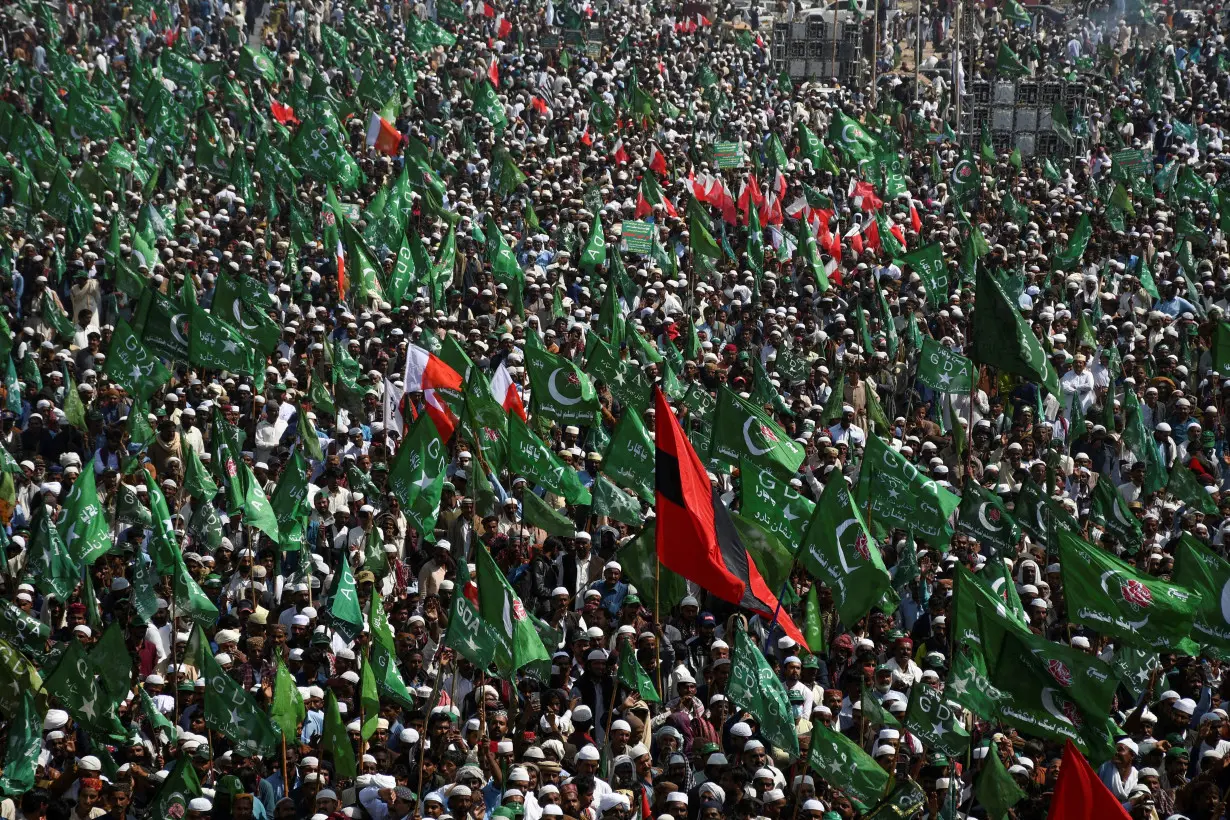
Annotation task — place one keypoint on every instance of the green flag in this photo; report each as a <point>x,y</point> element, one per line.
<point>560,390</point>
<point>853,140</point>
<point>197,481</point>
<point>1115,599</point>
<point>965,180</point>
<point>838,550</point>
<point>1201,570</point>
<point>110,657</point>
<point>773,503</point>
<point>639,558</point>
<point>342,612</point>
<point>179,788</point>
<point>743,430</point>
<point>53,570</point>
<point>1002,338</point>
<point>537,513</point>
<point>754,687</point>
<point>629,458</point>
<point>289,503</point>
<point>845,766</point>
<point>131,365</point>
<point>286,710</point>
<point>82,525</point>
<point>230,709</point>
<point>256,510</point>
<point>499,605</point>
<point>417,474</point>
<point>215,345</point>
<point>21,750</point>
<point>594,254</point>
<point>632,675</point>
<point>1008,63</point>
<point>875,713</point>
<point>934,721</point>
<point>613,502</point>
<point>943,369</point>
<point>470,634</point>
<point>984,517</point>
<point>74,685</point>
<point>928,263</point>
<point>997,790</point>
<point>383,657</point>
<point>336,741</point>
<point>1184,486</point>
<point>902,497</point>
<point>532,459</point>
<point>1040,514</point>
<point>1109,510</point>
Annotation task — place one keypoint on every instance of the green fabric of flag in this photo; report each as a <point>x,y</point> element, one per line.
<point>537,513</point>
<point>969,684</point>
<point>838,550</point>
<point>984,516</point>
<point>852,139</point>
<point>1221,348</point>
<point>902,497</point>
<point>875,713</point>
<point>614,503</point>
<point>595,252</point>
<point>290,502</point>
<point>1184,486</point>
<point>22,633</point>
<point>197,481</point>
<point>110,658</point>
<point>639,558</point>
<point>230,709</point>
<point>943,369</point>
<point>995,789</point>
<point>1115,599</point>
<point>1109,510</point>
<point>1042,515</point>
<point>632,675</point>
<point>561,391</point>
<point>499,605</point>
<point>74,685</point>
<point>629,458</point>
<point>369,701</point>
<point>383,657</point>
<point>744,430</point>
<point>286,710</point>
<point>773,503</point>
<point>487,102</point>
<point>772,559</point>
<point>234,303</point>
<point>83,526</point>
<point>336,741</point>
<point>131,365</point>
<point>935,722</point>
<point>214,344</point>
<point>49,564</point>
<point>342,611</point>
<point>928,263</point>
<point>469,634</point>
<point>623,377</point>
<point>531,458</point>
<point>755,688</point>
<point>256,510</point>
<point>1201,570</point>
<point>22,748</point>
<point>1008,64</point>
<point>845,766</point>
<point>178,790</point>
<point>1077,242</point>
<point>813,628</point>
<point>1015,12</point>
<point>417,475</point>
<point>1002,338</point>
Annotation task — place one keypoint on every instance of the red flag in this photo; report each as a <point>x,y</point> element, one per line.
<point>283,113</point>
<point>871,231</point>
<point>586,139</point>
<point>383,136</point>
<point>618,153</point>
<point>540,105</point>
<point>1080,794</point>
<point>864,196</point>
<point>488,10</point>
<point>657,161</point>
<point>750,195</point>
<point>493,72</point>
<point>503,27</point>
<point>855,235</point>
<point>696,537</point>
<point>505,392</point>
<point>426,373</point>
<point>915,222</point>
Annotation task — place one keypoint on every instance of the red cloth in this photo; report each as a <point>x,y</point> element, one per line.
<point>1080,795</point>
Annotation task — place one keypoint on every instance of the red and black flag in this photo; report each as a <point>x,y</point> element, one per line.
<point>695,535</point>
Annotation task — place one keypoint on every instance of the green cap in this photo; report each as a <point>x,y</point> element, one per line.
<point>230,784</point>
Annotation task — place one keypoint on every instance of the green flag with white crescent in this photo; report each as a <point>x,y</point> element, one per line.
<point>934,721</point>
<point>560,390</point>
<point>742,429</point>
<point>1108,509</point>
<point>984,517</point>
<point>500,606</point>
<point>1112,597</point>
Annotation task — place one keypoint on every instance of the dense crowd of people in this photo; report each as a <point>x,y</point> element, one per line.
<point>465,410</point>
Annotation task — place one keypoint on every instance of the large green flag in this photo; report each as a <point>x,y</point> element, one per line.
<point>110,657</point>
<point>1198,568</point>
<point>469,633</point>
<point>1077,243</point>
<point>845,766</point>
<point>594,254</point>
<point>632,675</point>
<point>537,513</point>
<point>997,790</point>
<point>242,301</point>
<point>74,685</point>
<point>82,524</point>
<point>336,741</point>
<point>180,787</point>
<point>813,149</point>
<point>224,458</point>
<point>319,152</point>
<point>131,365</point>
<point>965,179</point>
<point>928,263</point>
<point>624,377</point>
<point>849,135</point>
<point>383,657</point>
<point>629,458</point>
<point>773,503</point>
<point>286,710</point>
<point>50,565</point>
<point>1109,510</point>
<point>1002,338</point>
<point>934,721</point>
<point>487,102</point>
<point>256,510</point>
<point>342,612</point>
<point>742,430</point>
<point>289,503</point>
<point>21,751</point>
<point>754,687</point>
<point>417,474</point>
<point>561,392</point>
<point>943,369</point>
<point>1112,597</point>
<point>531,458</point>
<point>984,517</point>
<point>1184,486</point>
<point>17,673</point>
<point>839,551</point>
<point>1042,515</point>
<point>230,709</point>
<point>902,497</point>
<point>499,605</point>
<point>214,344</point>
<point>969,684</point>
